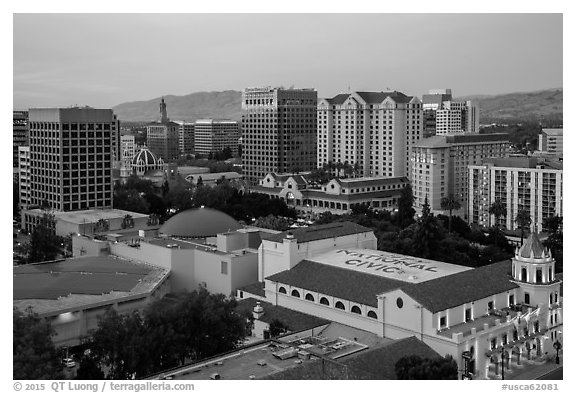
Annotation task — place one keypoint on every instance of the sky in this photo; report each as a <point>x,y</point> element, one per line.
<point>103,60</point>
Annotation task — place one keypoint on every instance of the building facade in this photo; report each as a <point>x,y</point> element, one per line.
<point>185,137</point>
<point>163,138</point>
<point>509,311</point>
<point>443,115</point>
<point>440,166</point>
<point>519,183</point>
<point>551,140</point>
<point>373,130</point>
<point>211,136</point>
<point>338,196</point>
<point>71,156</point>
<point>20,133</point>
<point>24,176</point>
<point>279,131</point>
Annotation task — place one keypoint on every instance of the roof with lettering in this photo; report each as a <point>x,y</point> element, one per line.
<point>319,232</point>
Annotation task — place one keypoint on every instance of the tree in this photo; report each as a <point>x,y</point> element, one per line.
<point>498,209</point>
<point>199,182</point>
<point>416,368</point>
<point>277,328</point>
<point>15,199</point>
<point>44,245</point>
<point>34,354</point>
<point>273,222</point>
<point>427,234</point>
<point>165,187</point>
<point>450,203</point>
<point>406,210</point>
<point>554,241</point>
<point>89,368</point>
<point>523,220</point>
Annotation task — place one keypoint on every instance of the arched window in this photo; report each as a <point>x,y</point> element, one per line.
<point>524,274</point>
<point>324,301</point>
<point>372,314</point>
<point>282,290</point>
<point>339,305</point>
<point>539,276</point>
<point>356,310</point>
<point>295,293</point>
<point>309,297</point>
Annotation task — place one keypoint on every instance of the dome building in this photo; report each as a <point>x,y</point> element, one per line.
<point>199,223</point>
<point>142,162</point>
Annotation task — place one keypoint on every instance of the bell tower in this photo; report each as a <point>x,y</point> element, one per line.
<point>163,114</point>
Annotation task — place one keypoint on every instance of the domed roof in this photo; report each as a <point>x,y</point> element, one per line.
<point>201,222</point>
<point>533,248</point>
<point>146,157</point>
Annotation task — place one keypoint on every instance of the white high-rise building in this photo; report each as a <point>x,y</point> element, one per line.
<point>551,140</point>
<point>443,115</point>
<point>372,130</point>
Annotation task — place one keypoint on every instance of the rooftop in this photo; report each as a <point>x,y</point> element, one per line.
<point>438,141</point>
<point>71,284</point>
<point>200,222</point>
<point>553,131</point>
<point>319,232</point>
<point>371,181</point>
<point>464,287</point>
<point>90,216</point>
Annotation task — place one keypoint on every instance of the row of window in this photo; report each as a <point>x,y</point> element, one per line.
<point>324,301</point>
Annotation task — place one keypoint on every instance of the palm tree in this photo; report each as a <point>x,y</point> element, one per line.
<point>498,209</point>
<point>450,203</point>
<point>523,219</point>
<point>356,168</point>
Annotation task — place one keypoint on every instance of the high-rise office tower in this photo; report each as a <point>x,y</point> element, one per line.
<point>163,136</point>
<point>19,133</point>
<point>443,115</point>
<point>24,176</point>
<point>440,166</point>
<point>71,154</point>
<point>211,136</point>
<point>279,131</point>
<point>185,137</point>
<point>372,130</point>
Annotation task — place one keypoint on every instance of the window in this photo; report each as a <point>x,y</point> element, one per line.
<point>490,306</point>
<point>442,322</point>
<point>324,301</point>
<point>510,300</point>
<point>399,302</point>
<point>295,293</point>
<point>468,315</point>
<point>493,343</point>
<point>536,326</point>
<point>504,339</point>
<point>372,314</point>
<point>339,305</point>
<point>515,335</point>
<point>527,298</point>
<point>356,310</point>
<point>309,297</point>
<point>538,276</point>
<point>524,274</point>
<point>224,267</point>
<point>282,290</point>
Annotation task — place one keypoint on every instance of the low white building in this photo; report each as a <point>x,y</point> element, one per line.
<point>509,310</point>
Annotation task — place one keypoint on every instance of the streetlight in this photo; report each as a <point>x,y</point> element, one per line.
<point>502,358</point>
<point>557,347</point>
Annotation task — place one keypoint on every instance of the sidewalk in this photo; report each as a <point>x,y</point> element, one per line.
<point>533,370</point>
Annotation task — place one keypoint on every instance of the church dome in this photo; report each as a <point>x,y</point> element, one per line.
<point>533,249</point>
<point>200,222</point>
<point>145,157</point>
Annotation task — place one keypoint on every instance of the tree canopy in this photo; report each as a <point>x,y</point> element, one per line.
<point>416,368</point>
<point>34,354</point>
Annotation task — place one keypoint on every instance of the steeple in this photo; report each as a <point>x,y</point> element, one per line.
<point>163,114</point>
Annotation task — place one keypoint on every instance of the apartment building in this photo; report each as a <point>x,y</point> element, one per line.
<point>443,115</point>
<point>163,136</point>
<point>373,130</point>
<point>185,137</point>
<point>520,183</point>
<point>279,131</point>
<point>19,134</point>
<point>440,166</point>
<point>551,140</point>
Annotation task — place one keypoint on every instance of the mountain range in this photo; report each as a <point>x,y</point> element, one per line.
<point>524,106</point>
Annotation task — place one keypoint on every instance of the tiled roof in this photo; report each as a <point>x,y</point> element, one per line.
<point>533,248</point>
<point>338,100</point>
<point>295,321</point>
<point>373,97</point>
<point>256,288</point>
<point>381,361</point>
<point>318,232</point>
<point>334,281</point>
<point>456,289</point>
<point>351,197</point>
<point>363,182</point>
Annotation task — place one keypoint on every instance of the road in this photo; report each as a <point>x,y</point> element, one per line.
<point>556,374</point>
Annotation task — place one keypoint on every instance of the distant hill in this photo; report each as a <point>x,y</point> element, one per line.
<point>545,105</point>
<point>215,104</point>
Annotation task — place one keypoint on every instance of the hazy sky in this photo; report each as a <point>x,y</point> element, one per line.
<point>103,60</point>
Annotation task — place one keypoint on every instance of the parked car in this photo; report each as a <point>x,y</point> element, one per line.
<point>69,362</point>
